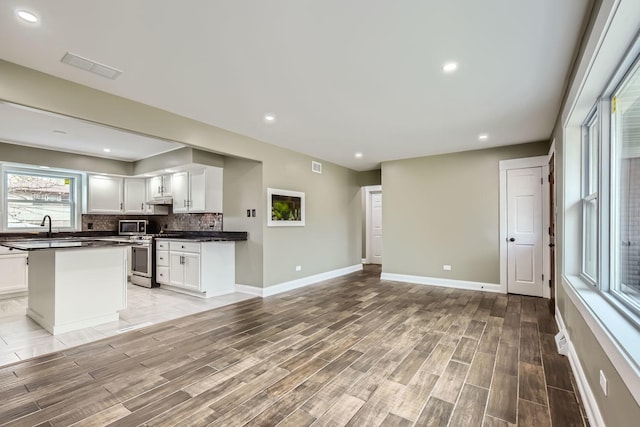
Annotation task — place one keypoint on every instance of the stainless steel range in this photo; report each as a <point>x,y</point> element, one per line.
<point>142,267</point>
<point>142,261</point>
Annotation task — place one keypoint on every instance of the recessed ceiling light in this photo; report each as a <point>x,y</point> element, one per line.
<point>358,155</point>
<point>27,16</point>
<point>44,167</point>
<point>483,137</point>
<point>450,67</point>
<point>107,150</point>
<point>269,118</point>
<point>169,170</point>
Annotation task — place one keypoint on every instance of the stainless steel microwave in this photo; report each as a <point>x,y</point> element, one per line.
<point>132,227</point>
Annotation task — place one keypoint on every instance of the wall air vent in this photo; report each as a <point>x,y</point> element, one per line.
<point>91,66</point>
<point>316,167</point>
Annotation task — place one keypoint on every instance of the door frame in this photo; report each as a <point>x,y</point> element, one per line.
<point>528,162</point>
<point>368,190</point>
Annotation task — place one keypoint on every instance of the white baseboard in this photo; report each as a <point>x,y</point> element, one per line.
<point>588,399</point>
<point>297,283</point>
<point>446,283</point>
<point>251,290</point>
<point>365,261</point>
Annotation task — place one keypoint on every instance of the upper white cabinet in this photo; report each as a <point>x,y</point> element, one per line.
<point>159,186</point>
<point>199,190</point>
<point>135,196</point>
<point>105,194</point>
<point>115,195</point>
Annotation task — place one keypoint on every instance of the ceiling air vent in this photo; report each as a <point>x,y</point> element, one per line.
<point>316,167</point>
<point>91,66</point>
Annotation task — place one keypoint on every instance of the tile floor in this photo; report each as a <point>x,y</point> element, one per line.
<point>22,338</point>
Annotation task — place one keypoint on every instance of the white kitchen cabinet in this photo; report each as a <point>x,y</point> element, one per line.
<point>203,269</point>
<point>14,277</point>
<point>184,270</point>
<point>135,196</point>
<point>198,190</point>
<point>105,194</point>
<point>159,186</point>
<point>162,263</point>
<point>115,195</point>
<point>181,195</point>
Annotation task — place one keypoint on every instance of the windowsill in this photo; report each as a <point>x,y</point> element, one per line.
<point>614,331</point>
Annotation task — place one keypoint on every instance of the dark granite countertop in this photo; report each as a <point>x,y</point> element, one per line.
<point>92,239</point>
<point>204,236</point>
<point>48,244</point>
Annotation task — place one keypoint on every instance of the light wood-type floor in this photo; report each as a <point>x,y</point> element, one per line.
<point>352,351</point>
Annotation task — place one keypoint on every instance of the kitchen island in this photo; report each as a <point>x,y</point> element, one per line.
<point>74,284</point>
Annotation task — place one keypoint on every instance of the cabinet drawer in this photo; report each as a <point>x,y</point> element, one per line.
<point>162,245</point>
<point>162,275</point>
<point>162,258</point>
<point>185,246</point>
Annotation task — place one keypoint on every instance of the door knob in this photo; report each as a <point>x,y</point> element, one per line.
<point>512,239</point>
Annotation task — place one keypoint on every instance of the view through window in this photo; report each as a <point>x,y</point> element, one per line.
<point>30,196</point>
<point>626,146</point>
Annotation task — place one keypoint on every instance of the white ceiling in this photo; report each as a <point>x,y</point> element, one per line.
<point>36,128</point>
<point>341,76</point>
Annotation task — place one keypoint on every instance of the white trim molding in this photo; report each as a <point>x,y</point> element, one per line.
<point>505,165</point>
<point>445,283</point>
<point>297,283</point>
<point>588,399</point>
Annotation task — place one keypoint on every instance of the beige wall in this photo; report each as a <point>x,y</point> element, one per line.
<point>332,237</point>
<point>332,232</point>
<point>445,210</point>
<point>242,182</point>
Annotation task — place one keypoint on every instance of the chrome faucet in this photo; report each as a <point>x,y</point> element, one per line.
<point>42,224</point>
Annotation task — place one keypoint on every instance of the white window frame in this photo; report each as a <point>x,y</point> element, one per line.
<point>588,194</point>
<point>75,202</point>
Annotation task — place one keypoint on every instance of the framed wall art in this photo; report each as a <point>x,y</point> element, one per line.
<point>285,208</point>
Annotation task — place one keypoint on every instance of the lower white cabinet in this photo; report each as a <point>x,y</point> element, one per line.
<point>204,269</point>
<point>184,270</point>
<point>162,264</point>
<point>14,277</point>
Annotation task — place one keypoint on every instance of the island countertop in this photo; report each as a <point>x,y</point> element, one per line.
<point>40,244</point>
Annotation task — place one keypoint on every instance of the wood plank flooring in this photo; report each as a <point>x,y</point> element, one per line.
<point>353,351</point>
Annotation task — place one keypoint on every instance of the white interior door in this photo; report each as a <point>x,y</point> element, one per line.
<point>524,231</point>
<point>376,228</point>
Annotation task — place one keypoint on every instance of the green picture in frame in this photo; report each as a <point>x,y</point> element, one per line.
<point>285,208</point>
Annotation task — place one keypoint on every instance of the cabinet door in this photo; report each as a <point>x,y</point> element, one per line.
<point>191,270</point>
<point>135,196</point>
<point>14,273</point>
<point>105,194</point>
<point>155,186</point>
<point>166,185</point>
<point>197,189</point>
<point>176,269</point>
<point>180,188</point>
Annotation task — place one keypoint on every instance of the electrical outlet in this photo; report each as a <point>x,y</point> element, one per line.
<point>253,213</point>
<point>298,268</point>
<point>603,382</point>
<point>248,213</point>
<point>446,267</point>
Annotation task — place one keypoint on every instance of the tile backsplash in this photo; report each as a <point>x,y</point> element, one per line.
<point>181,222</point>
